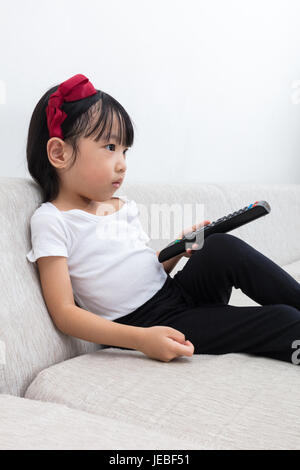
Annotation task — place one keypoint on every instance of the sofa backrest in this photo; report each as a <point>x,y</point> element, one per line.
<point>30,342</point>
<point>276,235</point>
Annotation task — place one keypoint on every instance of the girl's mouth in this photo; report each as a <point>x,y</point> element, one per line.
<point>116,185</point>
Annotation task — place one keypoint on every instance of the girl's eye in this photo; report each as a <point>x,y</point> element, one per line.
<point>113,145</point>
<point>110,145</point>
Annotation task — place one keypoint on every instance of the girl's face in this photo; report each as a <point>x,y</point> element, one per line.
<point>99,164</point>
<point>91,177</point>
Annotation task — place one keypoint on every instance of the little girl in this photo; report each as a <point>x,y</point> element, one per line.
<point>100,280</point>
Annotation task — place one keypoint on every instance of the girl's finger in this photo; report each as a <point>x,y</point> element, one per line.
<point>194,227</point>
<point>201,224</point>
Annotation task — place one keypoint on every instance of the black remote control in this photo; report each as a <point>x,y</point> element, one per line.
<point>222,225</point>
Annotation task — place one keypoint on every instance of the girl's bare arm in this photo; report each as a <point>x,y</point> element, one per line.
<point>76,321</point>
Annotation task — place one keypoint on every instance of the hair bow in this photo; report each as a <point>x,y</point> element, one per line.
<point>73,89</point>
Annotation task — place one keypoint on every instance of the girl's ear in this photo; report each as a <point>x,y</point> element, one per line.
<point>57,153</point>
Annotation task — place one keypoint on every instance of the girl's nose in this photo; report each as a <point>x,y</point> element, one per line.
<point>121,165</point>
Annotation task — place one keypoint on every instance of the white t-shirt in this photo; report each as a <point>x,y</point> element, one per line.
<point>112,271</point>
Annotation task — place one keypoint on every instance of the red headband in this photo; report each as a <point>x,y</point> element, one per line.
<point>75,88</point>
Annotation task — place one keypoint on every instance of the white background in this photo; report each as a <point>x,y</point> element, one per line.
<point>213,87</point>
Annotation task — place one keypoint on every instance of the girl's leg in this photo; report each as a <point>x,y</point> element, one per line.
<point>271,331</point>
<point>225,261</point>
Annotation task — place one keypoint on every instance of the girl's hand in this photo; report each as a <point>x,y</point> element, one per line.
<point>188,253</point>
<point>163,343</point>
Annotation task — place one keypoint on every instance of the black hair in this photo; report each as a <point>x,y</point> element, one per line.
<point>79,123</point>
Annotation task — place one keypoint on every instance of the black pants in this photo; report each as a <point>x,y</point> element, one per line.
<point>195,302</point>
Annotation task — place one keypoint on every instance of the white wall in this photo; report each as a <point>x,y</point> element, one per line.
<point>211,85</point>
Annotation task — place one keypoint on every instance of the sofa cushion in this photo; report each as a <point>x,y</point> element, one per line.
<point>34,425</point>
<point>234,401</point>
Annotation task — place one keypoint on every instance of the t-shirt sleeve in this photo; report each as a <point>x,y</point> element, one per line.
<point>48,237</point>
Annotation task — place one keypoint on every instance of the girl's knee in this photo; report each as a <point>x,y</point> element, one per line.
<point>285,315</point>
<point>225,246</point>
<point>289,310</point>
<point>223,238</point>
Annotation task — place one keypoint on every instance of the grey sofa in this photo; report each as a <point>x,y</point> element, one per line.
<point>59,392</point>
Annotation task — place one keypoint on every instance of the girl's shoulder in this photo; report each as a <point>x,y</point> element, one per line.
<point>46,215</point>
<point>46,208</point>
